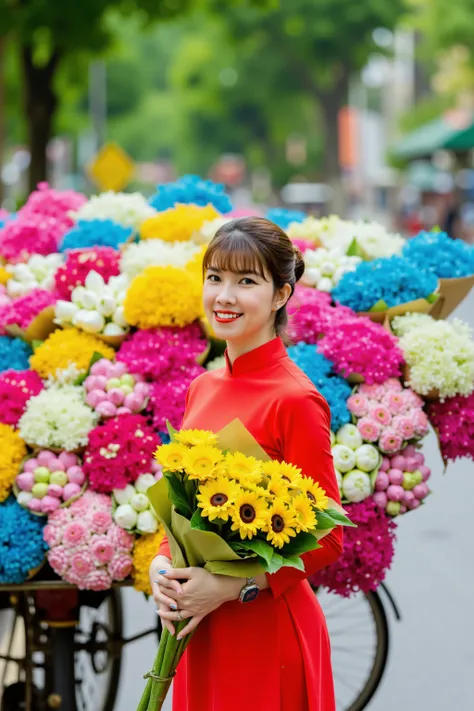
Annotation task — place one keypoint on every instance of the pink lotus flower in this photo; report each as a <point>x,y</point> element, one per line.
<point>358,404</point>
<point>369,429</point>
<point>404,426</point>
<point>381,414</point>
<point>390,441</point>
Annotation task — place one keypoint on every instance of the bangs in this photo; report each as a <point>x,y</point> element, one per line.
<point>234,252</point>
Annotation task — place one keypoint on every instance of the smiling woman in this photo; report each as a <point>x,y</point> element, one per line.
<point>266,636</point>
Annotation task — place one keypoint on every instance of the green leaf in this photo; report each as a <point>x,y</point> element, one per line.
<point>177,494</point>
<point>276,563</point>
<point>262,549</point>
<point>293,561</point>
<point>354,249</point>
<point>35,344</point>
<point>94,358</point>
<point>171,430</point>
<point>433,298</point>
<point>303,543</point>
<point>339,518</point>
<point>324,521</point>
<point>80,379</point>
<point>199,523</point>
<point>381,305</point>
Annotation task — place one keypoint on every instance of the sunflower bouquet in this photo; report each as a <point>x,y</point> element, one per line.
<point>227,507</point>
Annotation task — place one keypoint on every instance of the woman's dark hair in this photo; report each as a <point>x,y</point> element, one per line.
<point>258,245</point>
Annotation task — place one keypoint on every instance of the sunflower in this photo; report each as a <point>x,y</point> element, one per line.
<point>278,489</point>
<point>304,513</point>
<point>244,469</point>
<point>201,462</point>
<point>281,524</point>
<point>217,497</point>
<point>314,492</point>
<point>171,457</point>
<point>193,437</point>
<point>288,472</point>
<point>249,514</point>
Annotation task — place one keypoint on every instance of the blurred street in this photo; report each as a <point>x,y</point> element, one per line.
<point>432,654</point>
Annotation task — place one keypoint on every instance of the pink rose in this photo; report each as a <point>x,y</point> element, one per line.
<point>390,441</point>
<point>381,414</point>
<point>59,560</point>
<point>411,400</point>
<point>122,540</point>
<point>75,534</point>
<point>102,549</point>
<point>393,385</point>
<point>369,429</point>
<point>97,580</point>
<point>100,521</point>
<point>81,563</point>
<point>420,422</point>
<point>120,566</point>
<point>52,535</point>
<point>394,401</point>
<point>358,404</point>
<point>404,426</point>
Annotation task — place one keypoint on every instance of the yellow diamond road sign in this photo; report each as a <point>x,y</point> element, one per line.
<point>112,168</point>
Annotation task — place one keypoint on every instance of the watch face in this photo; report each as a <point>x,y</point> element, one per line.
<point>251,593</point>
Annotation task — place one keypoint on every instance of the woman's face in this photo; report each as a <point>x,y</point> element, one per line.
<point>240,306</point>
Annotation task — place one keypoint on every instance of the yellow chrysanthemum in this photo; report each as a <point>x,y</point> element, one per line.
<point>278,488</point>
<point>281,524</point>
<point>171,457</point>
<point>314,492</point>
<point>193,437</point>
<point>249,514</point>
<point>202,462</point>
<point>288,472</point>
<point>178,223</point>
<point>194,266</point>
<point>217,497</point>
<point>4,276</point>
<point>304,513</point>
<point>12,451</point>
<point>244,469</point>
<point>67,346</point>
<point>163,296</point>
<point>144,550</point>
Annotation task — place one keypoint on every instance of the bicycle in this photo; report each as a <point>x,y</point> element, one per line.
<point>70,645</point>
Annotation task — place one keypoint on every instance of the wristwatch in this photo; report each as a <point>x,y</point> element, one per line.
<point>250,591</point>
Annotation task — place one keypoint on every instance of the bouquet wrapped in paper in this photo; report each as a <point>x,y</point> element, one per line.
<point>227,507</point>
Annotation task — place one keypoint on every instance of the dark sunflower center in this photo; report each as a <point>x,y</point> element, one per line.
<point>287,478</point>
<point>278,523</point>
<point>219,500</point>
<point>247,513</point>
<point>311,496</point>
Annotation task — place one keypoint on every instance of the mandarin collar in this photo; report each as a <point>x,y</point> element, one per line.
<point>257,358</point>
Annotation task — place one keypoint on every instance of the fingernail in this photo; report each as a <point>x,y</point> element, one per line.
<point>162,572</point>
<point>179,637</point>
<point>174,607</point>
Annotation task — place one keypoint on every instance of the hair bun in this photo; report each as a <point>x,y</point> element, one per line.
<point>299,263</point>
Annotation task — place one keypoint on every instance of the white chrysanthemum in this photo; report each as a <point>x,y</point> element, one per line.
<point>376,241</point>
<point>156,253</point>
<point>128,209</point>
<point>37,273</point>
<point>208,230</point>
<point>216,363</point>
<point>440,355</point>
<point>64,376</point>
<point>309,229</point>
<point>58,417</point>
<point>324,268</point>
<point>403,324</point>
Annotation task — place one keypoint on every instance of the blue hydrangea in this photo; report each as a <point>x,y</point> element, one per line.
<point>95,233</point>
<point>7,218</point>
<point>331,386</point>
<point>191,189</point>
<point>14,353</point>
<point>394,280</point>
<point>436,252</point>
<point>22,547</point>
<point>283,218</point>
<point>165,438</point>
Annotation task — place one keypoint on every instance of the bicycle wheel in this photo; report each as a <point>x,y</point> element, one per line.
<point>359,635</point>
<point>98,651</point>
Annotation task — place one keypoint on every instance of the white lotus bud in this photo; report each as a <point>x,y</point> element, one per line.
<point>89,321</point>
<point>65,311</point>
<point>349,435</point>
<point>367,458</point>
<point>107,305</point>
<point>119,317</point>
<point>147,522</point>
<point>24,497</point>
<point>23,272</point>
<point>356,486</point>
<point>90,300</point>
<point>125,516</point>
<point>144,482</point>
<point>48,282</point>
<point>140,502</point>
<point>327,268</point>
<point>119,283</point>
<point>111,329</point>
<point>311,276</point>
<point>95,282</point>
<point>344,458</point>
<point>15,288</point>
<point>325,284</point>
<point>77,295</point>
<point>123,496</point>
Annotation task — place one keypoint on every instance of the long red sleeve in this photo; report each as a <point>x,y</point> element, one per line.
<point>304,426</point>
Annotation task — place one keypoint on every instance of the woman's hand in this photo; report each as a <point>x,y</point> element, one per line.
<point>199,595</point>
<point>162,588</point>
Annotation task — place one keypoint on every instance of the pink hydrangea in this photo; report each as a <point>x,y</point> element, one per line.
<point>367,554</point>
<point>311,314</point>
<point>28,235</point>
<point>168,396</point>
<point>155,352</point>
<point>79,262</point>
<point>119,451</point>
<point>82,557</point>
<point>57,204</point>
<point>357,345</point>
<point>5,299</point>
<point>303,245</point>
<point>24,309</point>
<point>16,388</point>
<point>453,421</point>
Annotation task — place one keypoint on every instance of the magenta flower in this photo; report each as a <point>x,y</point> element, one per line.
<point>453,420</point>
<point>311,314</point>
<point>23,310</point>
<point>103,260</point>
<point>168,396</point>
<point>16,388</point>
